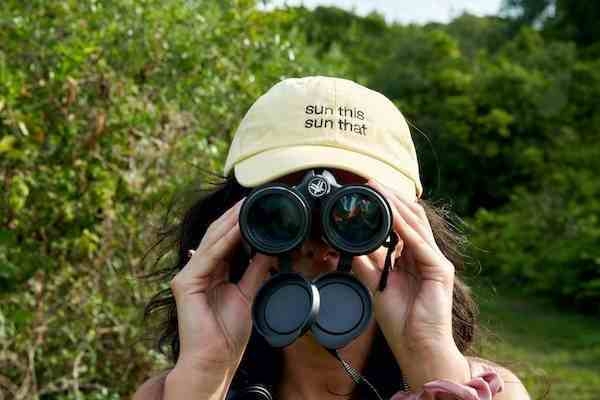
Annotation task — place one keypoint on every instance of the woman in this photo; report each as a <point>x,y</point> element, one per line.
<point>422,322</point>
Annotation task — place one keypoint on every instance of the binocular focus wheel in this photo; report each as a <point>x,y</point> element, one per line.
<point>345,309</point>
<point>284,308</point>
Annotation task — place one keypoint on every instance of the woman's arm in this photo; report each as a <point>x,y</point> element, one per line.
<point>213,316</point>
<point>185,383</point>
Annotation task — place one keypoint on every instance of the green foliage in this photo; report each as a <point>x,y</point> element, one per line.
<point>497,111</point>
<point>552,350</point>
<point>545,238</point>
<point>561,19</point>
<point>360,43</point>
<point>106,110</point>
<point>545,241</point>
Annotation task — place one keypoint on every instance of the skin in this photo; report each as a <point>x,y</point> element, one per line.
<point>414,313</point>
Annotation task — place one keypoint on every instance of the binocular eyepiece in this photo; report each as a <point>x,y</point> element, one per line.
<point>354,219</point>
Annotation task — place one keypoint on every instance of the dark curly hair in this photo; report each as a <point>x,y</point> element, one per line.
<point>261,363</point>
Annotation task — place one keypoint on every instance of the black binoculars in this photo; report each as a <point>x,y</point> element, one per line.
<point>354,219</point>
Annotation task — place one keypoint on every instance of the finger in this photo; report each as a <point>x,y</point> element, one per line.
<point>220,226</point>
<point>419,210</point>
<point>255,275</point>
<point>204,262</point>
<point>415,221</point>
<point>369,267</point>
<point>410,216</point>
<point>413,204</point>
<point>367,271</point>
<point>427,259</point>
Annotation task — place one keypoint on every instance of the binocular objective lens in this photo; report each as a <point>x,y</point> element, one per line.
<point>356,217</point>
<point>275,219</point>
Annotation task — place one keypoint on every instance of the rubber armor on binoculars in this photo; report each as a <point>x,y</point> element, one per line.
<point>354,219</point>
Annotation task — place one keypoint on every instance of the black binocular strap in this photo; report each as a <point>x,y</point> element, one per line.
<point>391,245</point>
<point>354,374</point>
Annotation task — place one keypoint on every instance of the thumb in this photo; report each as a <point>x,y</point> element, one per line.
<point>256,274</point>
<point>367,269</point>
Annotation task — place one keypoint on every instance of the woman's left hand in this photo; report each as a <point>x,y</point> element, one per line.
<point>414,311</point>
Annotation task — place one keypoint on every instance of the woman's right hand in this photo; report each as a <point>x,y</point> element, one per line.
<point>214,315</point>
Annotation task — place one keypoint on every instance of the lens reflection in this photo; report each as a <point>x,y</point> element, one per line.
<point>356,217</point>
<point>275,219</point>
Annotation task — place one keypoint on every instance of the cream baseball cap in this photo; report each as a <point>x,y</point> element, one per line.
<point>322,121</point>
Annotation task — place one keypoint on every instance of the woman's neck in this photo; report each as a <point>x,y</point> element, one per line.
<point>312,373</point>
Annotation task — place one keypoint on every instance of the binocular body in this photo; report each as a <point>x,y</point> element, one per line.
<point>277,218</point>
<point>353,219</point>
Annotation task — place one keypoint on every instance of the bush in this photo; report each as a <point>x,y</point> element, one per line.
<point>107,109</point>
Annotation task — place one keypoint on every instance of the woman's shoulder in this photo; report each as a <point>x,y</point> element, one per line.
<point>513,387</point>
<point>152,389</point>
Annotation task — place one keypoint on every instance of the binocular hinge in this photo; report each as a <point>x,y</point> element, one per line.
<point>345,263</point>
<point>285,262</point>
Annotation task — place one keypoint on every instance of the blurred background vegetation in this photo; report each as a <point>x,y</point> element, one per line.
<point>110,108</point>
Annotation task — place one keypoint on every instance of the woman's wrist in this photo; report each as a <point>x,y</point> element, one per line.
<point>430,363</point>
<point>197,380</point>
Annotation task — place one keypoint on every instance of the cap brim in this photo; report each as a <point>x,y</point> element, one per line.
<point>272,164</point>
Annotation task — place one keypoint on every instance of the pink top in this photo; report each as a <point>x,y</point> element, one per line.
<point>485,384</point>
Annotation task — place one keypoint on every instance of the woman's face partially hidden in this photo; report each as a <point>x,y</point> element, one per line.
<point>315,256</point>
